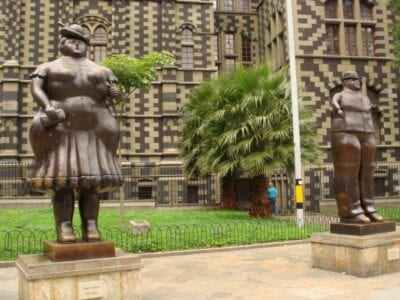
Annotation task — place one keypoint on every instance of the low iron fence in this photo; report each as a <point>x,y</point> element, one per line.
<point>158,238</point>
<point>171,237</point>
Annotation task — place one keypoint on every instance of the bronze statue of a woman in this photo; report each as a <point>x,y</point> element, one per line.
<point>74,136</point>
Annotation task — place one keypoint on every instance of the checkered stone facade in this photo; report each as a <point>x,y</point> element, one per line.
<point>151,122</point>
<point>318,73</point>
<point>319,77</point>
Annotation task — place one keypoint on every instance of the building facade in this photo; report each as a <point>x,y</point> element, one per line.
<point>206,37</point>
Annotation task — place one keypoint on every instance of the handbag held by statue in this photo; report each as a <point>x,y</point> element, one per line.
<point>47,122</point>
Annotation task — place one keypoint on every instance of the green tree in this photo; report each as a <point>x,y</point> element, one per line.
<point>133,73</point>
<point>395,8</point>
<point>241,123</point>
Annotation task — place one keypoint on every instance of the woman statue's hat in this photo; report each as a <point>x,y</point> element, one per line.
<point>74,31</point>
<point>350,75</point>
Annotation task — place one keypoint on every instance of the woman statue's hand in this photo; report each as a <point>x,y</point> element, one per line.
<point>50,112</point>
<point>112,90</point>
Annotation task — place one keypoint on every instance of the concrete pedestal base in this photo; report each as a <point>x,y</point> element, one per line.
<point>362,256</point>
<point>101,278</point>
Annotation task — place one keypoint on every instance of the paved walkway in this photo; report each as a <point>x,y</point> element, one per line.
<point>281,272</point>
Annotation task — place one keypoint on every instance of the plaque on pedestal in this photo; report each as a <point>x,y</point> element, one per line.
<point>79,250</point>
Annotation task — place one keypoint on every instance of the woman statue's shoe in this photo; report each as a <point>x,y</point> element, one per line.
<point>90,231</point>
<point>65,233</point>
<point>375,217</point>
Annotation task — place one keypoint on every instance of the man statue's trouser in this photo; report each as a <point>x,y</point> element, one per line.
<point>354,164</point>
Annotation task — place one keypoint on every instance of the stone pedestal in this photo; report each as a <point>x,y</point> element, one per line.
<point>103,278</point>
<point>363,256</point>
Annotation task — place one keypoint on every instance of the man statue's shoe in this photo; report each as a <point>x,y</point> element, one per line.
<point>65,233</point>
<point>90,231</point>
<point>359,219</point>
<point>375,217</point>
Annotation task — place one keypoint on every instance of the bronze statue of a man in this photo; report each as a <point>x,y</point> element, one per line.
<point>353,150</point>
<point>74,136</point>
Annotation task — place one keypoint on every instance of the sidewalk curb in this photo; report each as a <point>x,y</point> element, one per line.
<point>10,264</point>
<point>221,249</point>
<point>7,264</point>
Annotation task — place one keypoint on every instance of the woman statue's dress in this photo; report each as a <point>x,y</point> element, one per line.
<point>79,151</point>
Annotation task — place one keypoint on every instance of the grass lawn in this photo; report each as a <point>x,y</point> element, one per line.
<point>23,230</point>
<point>109,218</point>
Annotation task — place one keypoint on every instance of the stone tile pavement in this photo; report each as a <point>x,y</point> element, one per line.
<point>279,272</point>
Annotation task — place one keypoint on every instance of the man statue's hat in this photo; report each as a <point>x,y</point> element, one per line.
<point>74,31</point>
<point>350,75</point>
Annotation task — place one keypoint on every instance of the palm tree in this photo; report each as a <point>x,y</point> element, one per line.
<point>241,123</point>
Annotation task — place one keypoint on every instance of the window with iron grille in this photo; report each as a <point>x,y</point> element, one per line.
<point>244,5</point>
<point>228,5</point>
<point>246,49</point>
<point>331,9</point>
<point>350,24</point>
<point>192,194</point>
<point>350,40</point>
<point>145,192</point>
<point>332,38</point>
<point>216,47</point>
<point>187,57</point>
<point>365,11</point>
<point>373,96</point>
<point>229,44</point>
<point>368,41</point>
<point>348,9</point>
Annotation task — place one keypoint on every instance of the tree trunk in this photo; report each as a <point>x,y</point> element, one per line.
<point>260,206</point>
<point>228,196</point>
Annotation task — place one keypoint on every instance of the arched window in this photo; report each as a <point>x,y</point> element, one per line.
<point>187,49</point>
<point>86,30</point>
<point>99,44</point>
<point>98,33</point>
<point>187,36</point>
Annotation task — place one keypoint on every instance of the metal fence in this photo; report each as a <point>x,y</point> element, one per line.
<point>166,185</point>
<point>169,186</point>
<point>171,237</point>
